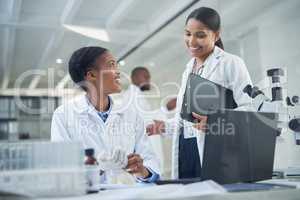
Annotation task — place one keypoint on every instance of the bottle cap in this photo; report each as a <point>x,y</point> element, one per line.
<point>89,152</point>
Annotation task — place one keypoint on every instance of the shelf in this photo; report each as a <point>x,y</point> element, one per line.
<point>8,119</point>
<point>33,120</point>
<point>14,120</point>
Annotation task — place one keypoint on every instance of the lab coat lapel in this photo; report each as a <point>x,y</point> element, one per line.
<point>211,63</point>
<point>210,66</point>
<point>175,142</point>
<point>117,111</point>
<point>189,70</point>
<point>92,112</point>
<point>94,127</point>
<point>113,130</point>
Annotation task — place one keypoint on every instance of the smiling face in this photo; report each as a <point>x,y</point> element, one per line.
<point>105,76</point>
<point>199,39</point>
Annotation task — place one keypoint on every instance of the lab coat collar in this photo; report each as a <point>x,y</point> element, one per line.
<point>211,61</point>
<point>216,54</point>
<point>83,105</point>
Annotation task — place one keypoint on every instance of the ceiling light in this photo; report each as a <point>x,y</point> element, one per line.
<point>122,63</point>
<point>152,64</point>
<point>59,61</point>
<point>99,34</point>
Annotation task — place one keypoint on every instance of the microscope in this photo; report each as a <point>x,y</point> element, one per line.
<point>287,145</point>
<point>276,104</point>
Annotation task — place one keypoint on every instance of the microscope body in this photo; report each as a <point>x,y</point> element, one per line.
<point>287,152</point>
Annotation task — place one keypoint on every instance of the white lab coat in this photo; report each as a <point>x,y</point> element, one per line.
<point>78,120</point>
<point>136,99</point>
<point>220,67</point>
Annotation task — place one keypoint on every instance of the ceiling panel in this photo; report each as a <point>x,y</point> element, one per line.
<point>126,21</point>
<point>96,9</point>
<point>29,46</point>
<point>43,7</point>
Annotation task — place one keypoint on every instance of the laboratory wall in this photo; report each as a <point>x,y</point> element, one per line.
<point>275,44</point>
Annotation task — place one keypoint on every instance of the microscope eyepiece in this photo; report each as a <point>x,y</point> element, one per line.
<point>294,125</point>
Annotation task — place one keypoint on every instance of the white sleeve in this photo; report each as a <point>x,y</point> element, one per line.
<point>59,131</point>
<point>238,78</point>
<point>170,127</point>
<point>143,147</point>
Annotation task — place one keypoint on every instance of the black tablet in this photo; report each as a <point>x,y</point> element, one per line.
<point>203,96</point>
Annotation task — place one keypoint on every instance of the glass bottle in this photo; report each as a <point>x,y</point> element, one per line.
<point>92,171</point>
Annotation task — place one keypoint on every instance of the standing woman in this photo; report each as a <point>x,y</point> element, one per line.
<point>210,61</point>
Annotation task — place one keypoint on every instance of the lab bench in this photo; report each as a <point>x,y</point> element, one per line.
<point>253,191</point>
<point>286,194</point>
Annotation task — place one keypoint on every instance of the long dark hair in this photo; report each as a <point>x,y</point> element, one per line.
<point>210,18</point>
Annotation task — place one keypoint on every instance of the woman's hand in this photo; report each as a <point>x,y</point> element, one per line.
<point>200,122</point>
<point>136,167</point>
